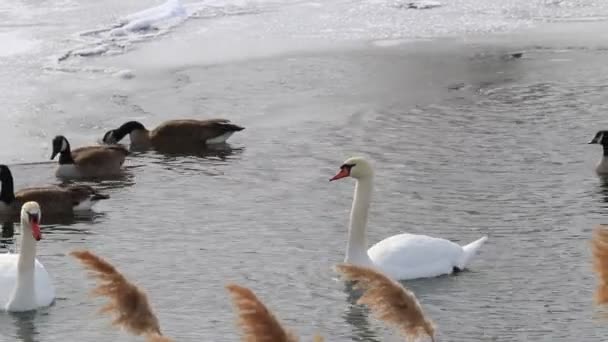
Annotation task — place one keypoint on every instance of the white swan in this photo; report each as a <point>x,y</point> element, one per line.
<point>24,283</point>
<point>402,256</point>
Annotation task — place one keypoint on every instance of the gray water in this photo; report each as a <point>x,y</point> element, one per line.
<point>464,143</point>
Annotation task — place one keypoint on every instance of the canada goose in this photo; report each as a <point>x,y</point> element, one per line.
<point>88,161</point>
<point>54,200</point>
<point>172,133</point>
<point>601,138</point>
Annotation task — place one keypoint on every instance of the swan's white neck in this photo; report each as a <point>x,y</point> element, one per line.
<point>356,249</point>
<point>24,294</point>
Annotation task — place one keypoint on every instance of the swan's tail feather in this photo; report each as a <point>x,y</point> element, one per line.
<point>128,302</point>
<point>471,250</point>
<point>389,301</point>
<point>599,246</point>
<point>257,322</point>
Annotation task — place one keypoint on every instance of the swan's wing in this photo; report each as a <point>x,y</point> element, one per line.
<point>411,256</point>
<point>45,291</point>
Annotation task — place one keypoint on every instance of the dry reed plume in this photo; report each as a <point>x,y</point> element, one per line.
<point>599,246</point>
<point>257,322</point>
<point>127,302</point>
<point>389,301</point>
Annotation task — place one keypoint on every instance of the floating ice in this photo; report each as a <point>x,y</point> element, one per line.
<point>116,38</point>
<point>147,19</point>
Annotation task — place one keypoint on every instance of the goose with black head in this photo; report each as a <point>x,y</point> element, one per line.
<point>87,161</point>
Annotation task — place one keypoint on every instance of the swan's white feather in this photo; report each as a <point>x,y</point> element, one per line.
<point>411,256</point>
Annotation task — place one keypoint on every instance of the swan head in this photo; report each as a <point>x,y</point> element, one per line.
<point>30,217</point>
<point>355,167</point>
<point>600,137</point>
<point>60,144</point>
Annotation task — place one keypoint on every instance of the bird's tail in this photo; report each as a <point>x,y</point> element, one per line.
<point>470,251</point>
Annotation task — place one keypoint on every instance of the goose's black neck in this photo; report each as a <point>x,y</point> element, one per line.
<point>7,194</point>
<point>127,128</point>
<point>65,157</point>
<point>605,150</point>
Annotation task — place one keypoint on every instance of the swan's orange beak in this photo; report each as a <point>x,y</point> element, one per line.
<point>344,172</point>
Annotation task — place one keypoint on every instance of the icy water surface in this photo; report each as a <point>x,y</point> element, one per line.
<point>465,142</point>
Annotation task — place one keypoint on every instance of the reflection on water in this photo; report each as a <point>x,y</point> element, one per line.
<point>358,315</point>
<point>200,161</point>
<point>7,237</point>
<point>220,152</point>
<point>604,187</point>
<point>25,327</point>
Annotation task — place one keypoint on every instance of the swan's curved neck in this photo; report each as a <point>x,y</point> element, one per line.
<point>27,250</point>
<point>24,291</point>
<point>356,249</point>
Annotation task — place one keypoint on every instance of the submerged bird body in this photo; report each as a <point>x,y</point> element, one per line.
<point>174,133</point>
<point>88,161</point>
<point>53,200</point>
<point>25,284</point>
<point>402,256</point>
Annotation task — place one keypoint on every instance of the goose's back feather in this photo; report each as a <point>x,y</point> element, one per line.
<point>52,199</point>
<point>191,131</point>
<point>99,160</point>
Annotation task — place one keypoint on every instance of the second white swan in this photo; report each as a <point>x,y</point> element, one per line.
<point>402,256</point>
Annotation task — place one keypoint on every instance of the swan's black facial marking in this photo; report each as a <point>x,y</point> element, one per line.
<point>344,171</point>
<point>34,218</point>
<point>348,167</point>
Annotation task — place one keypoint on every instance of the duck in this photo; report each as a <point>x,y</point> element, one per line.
<point>601,138</point>
<point>87,161</point>
<point>53,200</point>
<point>174,133</point>
<point>402,256</point>
<point>25,285</point>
